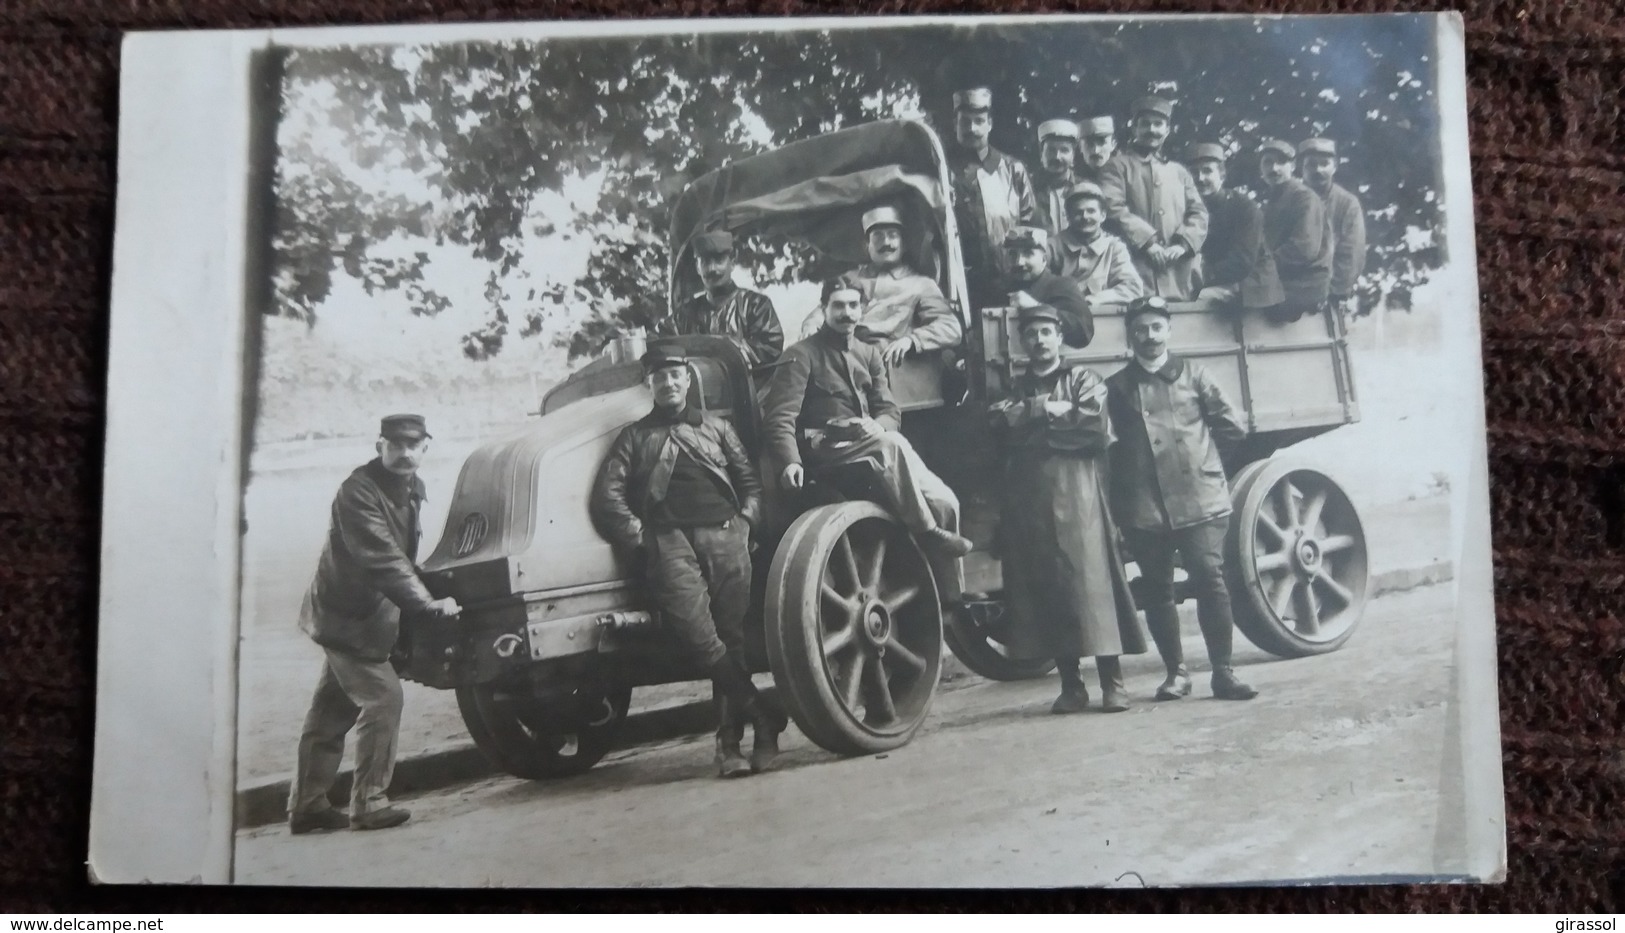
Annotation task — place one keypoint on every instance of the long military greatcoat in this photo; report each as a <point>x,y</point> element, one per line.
<point>1151,200</point>
<point>1064,582</point>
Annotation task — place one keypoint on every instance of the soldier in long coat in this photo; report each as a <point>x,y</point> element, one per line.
<point>1057,155</point>
<point>1317,158</point>
<point>992,193</point>
<point>1064,580</point>
<point>1154,206</point>
<point>1237,268</point>
<point>1297,230</point>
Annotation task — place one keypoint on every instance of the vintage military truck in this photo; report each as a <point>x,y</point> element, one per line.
<point>849,614</point>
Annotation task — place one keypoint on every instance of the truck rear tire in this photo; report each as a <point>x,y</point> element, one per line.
<point>536,740</point>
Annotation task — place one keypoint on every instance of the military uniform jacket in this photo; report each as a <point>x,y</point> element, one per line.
<point>1165,468</point>
<point>1049,197</point>
<point>826,376</point>
<point>367,573</point>
<point>637,472</point>
<point>1103,268</point>
<point>1234,255</point>
<point>1348,236</point>
<point>1151,200</point>
<point>1298,231</point>
<point>1063,294</point>
<point>991,195</point>
<point>745,314</point>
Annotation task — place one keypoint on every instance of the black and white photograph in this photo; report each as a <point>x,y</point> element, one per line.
<point>898,452</point>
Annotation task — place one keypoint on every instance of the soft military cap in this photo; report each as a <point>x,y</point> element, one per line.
<point>1064,129</point>
<point>882,215</point>
<point>975,98</point>
<point>715,243</point>
<point>1026,238</point>
<point>662,355</point>
<point>1206,152</point>
<point>403,427</point>
<point>1148,304</point>
<point>1085,189</point>
<point>1032,313</point>
<point>1317,146</point>
<point>1097,126</point>
<point>1279,146</point>
<point>1154,104</point>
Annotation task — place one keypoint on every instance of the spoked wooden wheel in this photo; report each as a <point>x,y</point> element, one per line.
<point>854,628</point>
<point>1296,561</point>
<point>534,739</point>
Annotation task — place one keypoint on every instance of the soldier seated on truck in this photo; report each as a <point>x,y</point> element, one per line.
<point>905,312</point>
<point>829,402</point>
<point>678,491</point>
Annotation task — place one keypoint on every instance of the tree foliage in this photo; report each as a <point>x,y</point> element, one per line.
<point>461,141</point>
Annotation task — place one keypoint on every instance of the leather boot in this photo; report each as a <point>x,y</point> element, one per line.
<point>1113,698</point>
<point>1074,696</point>
<point>1163,621</point>
<point>1227,687</point>
<point>730,760</point>
<point>767,720</point>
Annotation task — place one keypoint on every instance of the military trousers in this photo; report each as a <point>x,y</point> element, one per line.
<point>700,578</point>
<point>351,693</point>
<point>918,497</point>
<point>1201,551</point>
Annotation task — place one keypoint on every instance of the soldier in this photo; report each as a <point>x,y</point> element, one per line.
<point>1087,254</point>
<point>1057,154</point>
<point>1318,160</point>
<point>1064,580</point>
<point>992,193</point>
<point>678,492</point>
<point>366,577</point>
<point>1297,231</point>
<point>1027,253</point>
<point>724,308</point>
<point>1153,205</point>
<point>906,312</point>
<point>1236,268</point>
<point>1097,144</point>
<point>1169,493</point>
<point>830,402</point>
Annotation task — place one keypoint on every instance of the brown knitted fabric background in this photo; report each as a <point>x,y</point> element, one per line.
<point>1548,134</point>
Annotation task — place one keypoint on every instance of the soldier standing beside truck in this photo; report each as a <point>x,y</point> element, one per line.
<point>678,491</point>
<point>366,577</point>
<point>1064,580</point>
<point>1170,494</point>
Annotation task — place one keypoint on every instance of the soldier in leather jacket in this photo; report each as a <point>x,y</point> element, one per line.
<point>679,491</point>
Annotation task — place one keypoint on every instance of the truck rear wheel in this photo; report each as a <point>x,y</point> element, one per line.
<point>854,628</point>
<point>536,739</point>
<point>1295,560</point>
<point>978,648</point>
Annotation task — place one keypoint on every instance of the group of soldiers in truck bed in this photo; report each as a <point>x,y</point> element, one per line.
<point>1095,225</point>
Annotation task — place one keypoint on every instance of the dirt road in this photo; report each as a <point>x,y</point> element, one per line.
<point>1339,769</point>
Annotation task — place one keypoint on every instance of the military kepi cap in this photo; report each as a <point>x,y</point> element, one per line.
<point>1063,129</point>
<point>1206,152</point>
<point>1097,126</point>
<point>974,98</point>
<point>661,355</point>
<point>1318,146</point>
<point>1278,146</point>
<point>403,427</point>
<point>1151,103</point>
<point>1148,304</point>
<point>1085,189</point>
<point>1033,313</point>
<point>714,243</point>
<point>882,215</point>
<point>1026,238</point>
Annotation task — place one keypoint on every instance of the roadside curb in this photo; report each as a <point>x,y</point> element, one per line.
<point>265,802</point>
